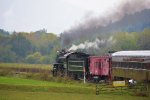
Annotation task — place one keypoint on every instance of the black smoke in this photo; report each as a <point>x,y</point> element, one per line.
<point>130,15</point>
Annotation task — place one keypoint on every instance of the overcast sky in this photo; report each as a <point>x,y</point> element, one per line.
<point>53,15</point>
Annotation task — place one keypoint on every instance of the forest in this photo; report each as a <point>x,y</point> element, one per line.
<point>33,47</point>
<point>41,47</point>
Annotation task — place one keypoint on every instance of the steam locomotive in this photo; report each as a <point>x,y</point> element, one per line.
<point>118,65</point>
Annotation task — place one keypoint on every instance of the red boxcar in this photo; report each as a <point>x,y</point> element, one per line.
<point>100,66</point>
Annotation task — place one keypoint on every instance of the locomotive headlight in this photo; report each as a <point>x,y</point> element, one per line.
<point>54,68</point>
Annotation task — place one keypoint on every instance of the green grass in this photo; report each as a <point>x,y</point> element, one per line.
<point>17,95</point>
<point>7,83</point>
<point>27,66</point>
<point>27,89</point>
<point>20,81</point>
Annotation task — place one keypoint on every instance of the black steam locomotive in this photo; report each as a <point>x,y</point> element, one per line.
<point>71,64</point>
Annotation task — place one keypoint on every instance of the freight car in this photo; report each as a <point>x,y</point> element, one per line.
<point>100,67</point>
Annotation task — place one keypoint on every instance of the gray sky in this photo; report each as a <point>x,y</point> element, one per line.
<point>53,15</point>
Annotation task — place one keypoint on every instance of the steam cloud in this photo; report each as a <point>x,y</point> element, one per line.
<point>97,44</point>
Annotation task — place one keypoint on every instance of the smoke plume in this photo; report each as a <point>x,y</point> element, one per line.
<point>126,7</point>
<point>124,17</point>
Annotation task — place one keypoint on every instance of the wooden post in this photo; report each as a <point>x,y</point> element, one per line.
<point>97,88</point>
<point>84,74</point>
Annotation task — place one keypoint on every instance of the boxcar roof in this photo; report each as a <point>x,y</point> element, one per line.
<point>132,53</point>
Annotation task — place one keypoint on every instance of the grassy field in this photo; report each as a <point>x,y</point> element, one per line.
<point>28,89</point>
<point>34,82</point>
<point>31,82</point>
<point>26,66</point>
<point>9,83</point>
<point>17,95</point>
<point>35,71</point>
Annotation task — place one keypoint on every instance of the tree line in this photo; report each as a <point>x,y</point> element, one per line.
<point>41,47</point>
<point>33,47</point>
